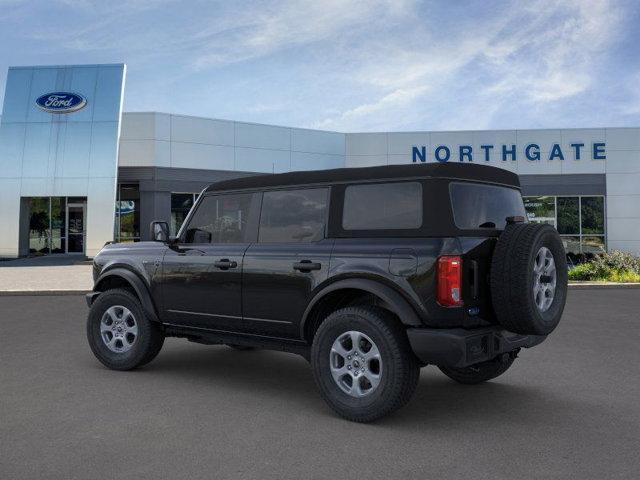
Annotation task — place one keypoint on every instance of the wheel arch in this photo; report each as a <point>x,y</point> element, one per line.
<point>123,278</point>
<point>334,296</point>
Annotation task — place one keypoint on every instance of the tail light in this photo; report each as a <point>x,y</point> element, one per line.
<point>449,280</point>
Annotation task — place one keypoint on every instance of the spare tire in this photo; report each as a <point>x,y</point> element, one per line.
<point>528,278</point>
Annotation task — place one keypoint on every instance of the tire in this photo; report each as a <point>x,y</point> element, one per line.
<point>240,348</point>
<point>480,372</point>
<point>522,262</point>
<point>394,371</point>
<point>132,351</point>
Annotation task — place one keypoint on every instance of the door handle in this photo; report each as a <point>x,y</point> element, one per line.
<point>306,266</point>
<point>225,264</point>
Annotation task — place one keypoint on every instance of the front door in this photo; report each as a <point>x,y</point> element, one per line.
<point>202,273</point>
<point>76,227</point>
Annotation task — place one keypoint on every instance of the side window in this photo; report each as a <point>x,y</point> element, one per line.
<point>293,215</point>
<point>382,206</point>
<point>220,219</point>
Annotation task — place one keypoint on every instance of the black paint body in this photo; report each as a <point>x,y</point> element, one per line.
<point>260,293</point>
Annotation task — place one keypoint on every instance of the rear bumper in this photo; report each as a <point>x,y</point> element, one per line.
<point>457,347</point>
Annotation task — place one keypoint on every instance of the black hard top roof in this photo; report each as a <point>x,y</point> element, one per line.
<point>462,171</point>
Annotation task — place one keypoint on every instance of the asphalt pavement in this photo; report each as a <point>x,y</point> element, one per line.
<point>570,408</point>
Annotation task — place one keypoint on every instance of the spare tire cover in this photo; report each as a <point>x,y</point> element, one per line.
<point>528,278</point>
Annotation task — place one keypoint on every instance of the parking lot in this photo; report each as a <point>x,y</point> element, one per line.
<point>567,409</point>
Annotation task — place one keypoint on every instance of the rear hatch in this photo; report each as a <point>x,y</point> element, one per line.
<point>480,213</point>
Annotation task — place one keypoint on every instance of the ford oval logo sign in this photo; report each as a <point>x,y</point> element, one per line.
<point>61,102</point>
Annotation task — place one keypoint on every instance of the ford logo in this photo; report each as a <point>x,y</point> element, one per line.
<point>61,102</point>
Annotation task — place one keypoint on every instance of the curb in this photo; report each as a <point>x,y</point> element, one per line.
<point>601,285</point>
<point>41,293</point>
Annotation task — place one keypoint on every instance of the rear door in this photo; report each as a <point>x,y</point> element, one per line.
<point>202,272</point>
<point>289,260</point>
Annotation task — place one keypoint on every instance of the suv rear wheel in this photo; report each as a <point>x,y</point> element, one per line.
<point>120,334</point>
<point>363,364</point>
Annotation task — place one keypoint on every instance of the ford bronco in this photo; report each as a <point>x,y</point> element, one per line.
<point>369,273</point>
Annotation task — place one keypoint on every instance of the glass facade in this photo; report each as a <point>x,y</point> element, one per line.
<point>580,220</point>
<point>48,157</point>
<point>39,225</point>
<point>181,203</point>
<point>57,225</point>
<point>127,224</point>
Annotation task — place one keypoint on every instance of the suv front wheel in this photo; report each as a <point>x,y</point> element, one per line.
<point>120,335</point>
<point>363,364</point>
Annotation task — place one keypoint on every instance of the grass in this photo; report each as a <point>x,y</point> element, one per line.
<point>586,271</point>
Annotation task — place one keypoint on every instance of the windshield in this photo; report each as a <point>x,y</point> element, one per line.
<point>477,206</point>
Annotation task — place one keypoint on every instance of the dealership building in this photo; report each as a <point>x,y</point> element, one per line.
<point>76,171</point>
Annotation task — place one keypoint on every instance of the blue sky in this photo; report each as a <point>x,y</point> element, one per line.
<point>347,65</point>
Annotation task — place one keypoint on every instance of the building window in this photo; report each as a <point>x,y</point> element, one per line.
<point>39,225</point>
<point>127,225</point>
<point>56,225</point>
<point>181,203</point>
<point>568,215</point>
<point>580,220</point>
<point>541,209</point>
<point>59,224</point>
<point>592,215</point>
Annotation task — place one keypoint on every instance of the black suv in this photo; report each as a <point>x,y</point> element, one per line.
<point>369,273</point>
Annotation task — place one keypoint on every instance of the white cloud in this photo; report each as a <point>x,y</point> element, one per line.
<point>534,55</point>
<point>286,24</point>
<point>349,64</point>
<point>550,57</point>
<point>397,98</point>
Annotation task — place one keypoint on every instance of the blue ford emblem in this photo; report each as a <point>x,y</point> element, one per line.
<point>61,102</point>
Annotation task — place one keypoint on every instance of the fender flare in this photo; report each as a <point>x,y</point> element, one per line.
<point>396,302</point>
<point>136,283</point>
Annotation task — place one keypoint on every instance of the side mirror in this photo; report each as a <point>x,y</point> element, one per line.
<point>159,231</point>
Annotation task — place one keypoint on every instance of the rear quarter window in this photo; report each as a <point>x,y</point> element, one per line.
<point>477,206</point>
<point>383,206</point>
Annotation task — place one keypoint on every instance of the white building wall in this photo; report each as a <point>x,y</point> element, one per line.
<point>623,188</point>
<point>165,140</point>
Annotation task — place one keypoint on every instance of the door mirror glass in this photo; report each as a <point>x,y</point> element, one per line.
<point>159,231</point>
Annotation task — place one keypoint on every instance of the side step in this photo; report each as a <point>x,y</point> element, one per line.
<point>217,337</point>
